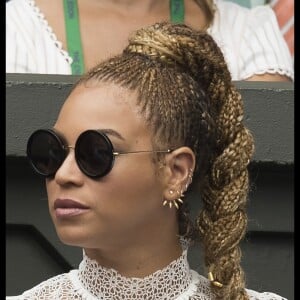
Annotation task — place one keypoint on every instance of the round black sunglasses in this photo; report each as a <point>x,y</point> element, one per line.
<point>94,152</point>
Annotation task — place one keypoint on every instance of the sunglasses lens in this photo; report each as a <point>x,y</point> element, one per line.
<point>94,153</point>
<point>45,152</point>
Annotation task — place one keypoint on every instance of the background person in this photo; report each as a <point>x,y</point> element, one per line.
<point>66,37</point>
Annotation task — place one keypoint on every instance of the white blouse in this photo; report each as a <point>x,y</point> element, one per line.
<point>92,281</point>
<point>249,38</point>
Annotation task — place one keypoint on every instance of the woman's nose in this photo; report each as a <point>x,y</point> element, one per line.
<point>69,171</point>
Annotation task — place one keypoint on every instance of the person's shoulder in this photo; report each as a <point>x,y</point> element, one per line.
<point>254,295</point>
<point>15,4</point>
<point>200,289</point>
<point>11,3</point>
<point>18,10</point>
<point>203,289</point>
<point>45,288</point>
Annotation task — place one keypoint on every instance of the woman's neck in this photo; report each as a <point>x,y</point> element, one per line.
<point>138,259</point>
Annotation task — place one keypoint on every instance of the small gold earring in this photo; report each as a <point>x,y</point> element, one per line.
<point>175,202</point>
<point>180,193</point>
<point>190,179</point>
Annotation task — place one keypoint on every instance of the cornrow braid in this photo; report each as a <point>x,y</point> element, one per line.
<point>186,95</point>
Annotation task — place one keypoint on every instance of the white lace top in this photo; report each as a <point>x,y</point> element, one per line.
<point>249,38</point>
<point>92,281</point>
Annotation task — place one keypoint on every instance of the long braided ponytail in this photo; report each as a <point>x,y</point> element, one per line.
<point>187,97</point>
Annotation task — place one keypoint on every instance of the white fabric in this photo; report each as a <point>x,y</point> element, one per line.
<point>92,281</point>
<point>249,38</point>
<point>31,44</point>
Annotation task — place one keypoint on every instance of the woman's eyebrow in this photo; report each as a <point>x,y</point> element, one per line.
<point>112,132</point>
<point>107,131</point>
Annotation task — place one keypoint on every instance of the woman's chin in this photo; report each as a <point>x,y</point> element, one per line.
<point>71,237</point>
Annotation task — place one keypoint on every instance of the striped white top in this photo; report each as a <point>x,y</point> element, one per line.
<point>249,38</point>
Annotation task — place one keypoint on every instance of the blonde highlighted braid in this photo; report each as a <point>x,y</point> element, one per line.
<point>186,96</point>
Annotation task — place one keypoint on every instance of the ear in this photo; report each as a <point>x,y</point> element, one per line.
<point>180,165</point>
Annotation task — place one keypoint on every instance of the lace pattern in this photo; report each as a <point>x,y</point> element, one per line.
<point>165,284</point>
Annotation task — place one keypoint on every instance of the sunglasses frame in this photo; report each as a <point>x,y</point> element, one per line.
<point>63,145</point>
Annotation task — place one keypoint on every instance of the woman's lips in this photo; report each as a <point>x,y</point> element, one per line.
<point>65,208</point>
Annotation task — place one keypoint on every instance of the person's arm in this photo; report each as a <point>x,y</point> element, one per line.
<point>264,54</point>
<point>269,77</point>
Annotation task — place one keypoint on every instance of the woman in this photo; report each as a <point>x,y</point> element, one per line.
<point>133,135</point>
<point>66,37</point>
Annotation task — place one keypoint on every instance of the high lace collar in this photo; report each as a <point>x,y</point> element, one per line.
<point>104,283</point>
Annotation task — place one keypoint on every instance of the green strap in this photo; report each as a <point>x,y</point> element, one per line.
<point>177,11</point>
<point>73,36</point>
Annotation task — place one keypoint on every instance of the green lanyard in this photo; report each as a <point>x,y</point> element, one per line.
<point>177,11</point>
<point>73,36</point>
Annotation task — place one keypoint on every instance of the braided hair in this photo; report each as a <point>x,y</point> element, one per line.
<point>187,97</point>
